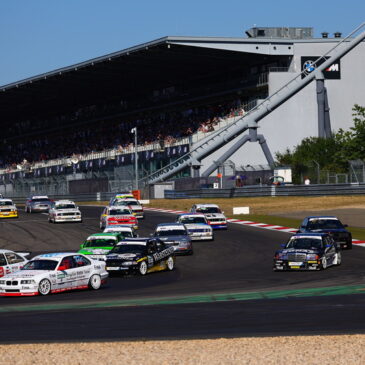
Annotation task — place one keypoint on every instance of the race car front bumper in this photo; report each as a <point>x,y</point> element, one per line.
<point>9,214</point>
<point>63,219</point>
<point>283,265</point>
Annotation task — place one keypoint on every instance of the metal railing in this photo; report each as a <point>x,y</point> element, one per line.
<point>270,190</point>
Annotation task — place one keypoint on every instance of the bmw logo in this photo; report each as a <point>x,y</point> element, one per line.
<point>309,66</point>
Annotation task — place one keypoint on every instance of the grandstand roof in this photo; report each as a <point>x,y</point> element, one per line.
<point>147,66</point>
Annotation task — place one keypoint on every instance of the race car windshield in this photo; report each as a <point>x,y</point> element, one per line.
<point>102,242</point>
<point>171,232</point>
<point>5,203</point>
<point>305,243</point>
<point>325,224</point>
<point>129,249</point>
<point>187,220</point>
<point>209,210</point>
<point>65,206</point>
<point>119,211</point>
<point>38,200</point>
<point>40,265</point>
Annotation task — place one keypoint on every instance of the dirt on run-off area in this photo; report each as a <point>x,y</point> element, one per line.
<point>324,350</point>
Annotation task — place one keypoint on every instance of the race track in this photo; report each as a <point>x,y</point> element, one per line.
<point>238,261</point>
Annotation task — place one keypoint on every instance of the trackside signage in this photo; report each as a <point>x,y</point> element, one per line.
<point>308,65</point>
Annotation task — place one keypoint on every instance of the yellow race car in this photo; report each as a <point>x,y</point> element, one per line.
<point>8,209</point>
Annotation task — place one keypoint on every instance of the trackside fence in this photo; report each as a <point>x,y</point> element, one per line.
<point>247,191</point>
<point>285,190</point>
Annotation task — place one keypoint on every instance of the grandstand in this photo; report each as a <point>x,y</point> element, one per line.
<point>74,123</point>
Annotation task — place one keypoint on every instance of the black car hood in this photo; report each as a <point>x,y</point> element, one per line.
<point>124,256</point>
<point>300,250</point>
<point>332,230</point>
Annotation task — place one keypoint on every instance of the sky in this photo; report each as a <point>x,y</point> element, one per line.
<point>38,36</point>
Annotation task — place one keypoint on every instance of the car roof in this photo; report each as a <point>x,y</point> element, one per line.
<point>54,255</point>
<point>136,241</point>
<point>39,197</point>
<point>192,214</point>
<point>312,234</point>
<point>104,235</point>
<point>120,226</point>
<point>6,200</point>
<point>323,217</point>
<point>5,251</point>
<point>207,205</point>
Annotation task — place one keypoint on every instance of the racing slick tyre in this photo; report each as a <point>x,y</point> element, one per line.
<point>44,287</point>
<point>324,264</point>
<point>142,268</point>
<point>338,258</point>
<point>95,282</point>
<point>170,263</point>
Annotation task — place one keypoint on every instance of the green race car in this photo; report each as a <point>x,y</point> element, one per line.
<point>98,245</point>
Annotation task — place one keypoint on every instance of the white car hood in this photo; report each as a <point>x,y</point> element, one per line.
<point>6,207</point>
<point>197,226</point>
<point>215,215</point>
<point>67,210</point>
<point>25,274</point>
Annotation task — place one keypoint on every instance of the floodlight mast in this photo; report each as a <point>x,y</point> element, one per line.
<point>224,135</point>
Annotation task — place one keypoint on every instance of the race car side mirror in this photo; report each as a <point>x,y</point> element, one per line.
<point>283,245</point>
<point>327,246</point>
<point>82,245</point>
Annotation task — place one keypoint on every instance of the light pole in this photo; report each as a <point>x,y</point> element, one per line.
<point>134,131</point>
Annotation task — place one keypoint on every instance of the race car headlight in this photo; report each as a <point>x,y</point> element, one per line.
<point>129,263</point>
<point>313,257</point>
<point>22,282</point>
<point>2,282</point>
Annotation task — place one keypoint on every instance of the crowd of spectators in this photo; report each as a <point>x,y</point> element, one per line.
<point>64,136</point>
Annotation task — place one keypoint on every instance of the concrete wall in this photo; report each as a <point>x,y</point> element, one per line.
<point>297,118</point>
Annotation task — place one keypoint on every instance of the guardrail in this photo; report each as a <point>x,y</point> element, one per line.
<point>247,191</point>
<point>281,190</point>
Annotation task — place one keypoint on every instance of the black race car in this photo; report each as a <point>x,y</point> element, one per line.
<point>308,251</point>
<point>140,255</point>
<point>328,224</point>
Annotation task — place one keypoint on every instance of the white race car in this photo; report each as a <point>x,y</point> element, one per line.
<point>11,261</point>
<point>213,213</point>
<point>197,226</point>
<point>53,273</point>
<point>126,231</point>
<point>64,211</point>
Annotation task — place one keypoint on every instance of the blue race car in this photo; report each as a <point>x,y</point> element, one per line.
<point>308,251</point>
<point>328,224</point>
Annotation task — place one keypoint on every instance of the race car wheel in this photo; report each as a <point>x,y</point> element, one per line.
<point>170,263</point>
<point>143,268</point>
<point>338,258</point>
<point>95,282</point>
<point>44,287</point>
<point>324,263</point>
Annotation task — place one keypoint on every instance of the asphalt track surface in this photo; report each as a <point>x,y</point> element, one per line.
<point>239,260</point>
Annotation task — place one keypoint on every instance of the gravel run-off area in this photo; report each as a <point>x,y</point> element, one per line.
<point>346,349</point>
